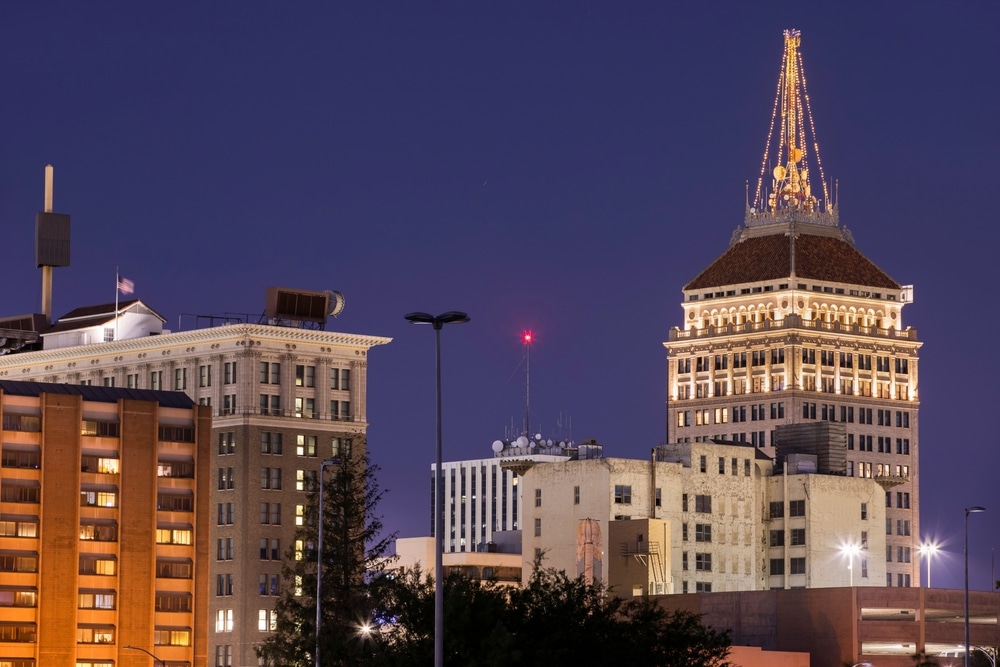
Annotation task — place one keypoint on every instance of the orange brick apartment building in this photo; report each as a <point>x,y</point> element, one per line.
<point>104,533</point>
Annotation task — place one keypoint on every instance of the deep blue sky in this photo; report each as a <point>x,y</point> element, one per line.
<point>560,167</point>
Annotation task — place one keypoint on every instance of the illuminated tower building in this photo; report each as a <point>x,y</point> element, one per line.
<point>793,324</point>
<point>104,535</point>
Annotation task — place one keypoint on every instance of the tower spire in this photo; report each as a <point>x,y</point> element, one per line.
<point>790,195</point>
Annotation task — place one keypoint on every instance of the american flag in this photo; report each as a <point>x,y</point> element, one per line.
<point>125,286</point>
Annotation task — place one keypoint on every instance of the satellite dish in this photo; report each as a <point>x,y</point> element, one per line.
<point>497,446</point>
<point>538,436</point>
<point>562,444</point>
<point>532,445</point>
<point>549,442</point>
<point>779,173</point>
<point>522,441</point>
<point>336,305</point>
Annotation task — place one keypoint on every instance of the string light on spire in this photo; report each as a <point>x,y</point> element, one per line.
<point>790,195</point>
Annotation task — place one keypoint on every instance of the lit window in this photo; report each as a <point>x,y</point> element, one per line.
<point>224,620</point>
<point>267,620</point>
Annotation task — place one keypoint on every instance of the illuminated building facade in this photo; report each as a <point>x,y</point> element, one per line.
<point>482,496</point>
<point>284,397</point>
<point>793,324</point>
<point>104,526</point>
<point>703,517</point>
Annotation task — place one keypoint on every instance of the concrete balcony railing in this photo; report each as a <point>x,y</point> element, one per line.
<point>792,322</point>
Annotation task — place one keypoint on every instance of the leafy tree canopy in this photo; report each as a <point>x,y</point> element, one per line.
<point>373,617</point>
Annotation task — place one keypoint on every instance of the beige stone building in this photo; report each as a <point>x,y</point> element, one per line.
<point>703,517</point>
<point>104,526</point>
<point>284,398</point>
<point>793,324</point>
<point>500,563</point>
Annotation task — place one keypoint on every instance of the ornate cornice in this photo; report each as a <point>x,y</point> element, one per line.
<point>215,336</point>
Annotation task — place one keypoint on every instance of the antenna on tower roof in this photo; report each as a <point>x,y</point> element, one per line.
<point>526,338</point>
<point>51,243</point>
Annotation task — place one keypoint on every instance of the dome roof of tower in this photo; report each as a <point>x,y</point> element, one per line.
<point>768,257</point>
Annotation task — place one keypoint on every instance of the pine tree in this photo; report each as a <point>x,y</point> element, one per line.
<point>354,556</point>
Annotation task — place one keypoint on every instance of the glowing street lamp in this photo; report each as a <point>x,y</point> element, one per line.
<point>451,317</point>
<point>968,510</point>
<point>927,551</point>
<point>850,550</point>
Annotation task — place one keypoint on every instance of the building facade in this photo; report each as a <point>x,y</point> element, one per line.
<point>283,399</point>
<point>852,626</point>
<point>482,496</point>
<point>704,517</point>
<point>793,324</point>
<point>104,526</point>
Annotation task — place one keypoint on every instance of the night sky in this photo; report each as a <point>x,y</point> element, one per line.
<point>563,167</point>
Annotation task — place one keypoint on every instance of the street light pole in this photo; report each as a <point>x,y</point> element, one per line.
<point>968,511</point>
<point>850,550</point>
<point>139,648</point>
<point>451,317</point>
<point>928,550</point>
<point>319,554</point>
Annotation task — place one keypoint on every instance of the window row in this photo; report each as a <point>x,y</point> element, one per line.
<point>271,443</point>
<point>733,465</point>
<point>795,566</point>
<point>797,537</point>
<point>702,561</point>
<point>702,503</point>
<point>885,444</point>
<point>829,358</point>
<point>869,470</point>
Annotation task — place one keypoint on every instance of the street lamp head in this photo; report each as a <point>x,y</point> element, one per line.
<point>453,317</point>
<point>928,549</point>
<point>450,317</point>
<point>974,508</point>
<point>419,318</point>
<point>850,549</point>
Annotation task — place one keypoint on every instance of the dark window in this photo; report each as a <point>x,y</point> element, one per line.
<point>703,504</point>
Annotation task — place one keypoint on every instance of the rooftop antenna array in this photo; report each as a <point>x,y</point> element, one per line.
<point>526,338</point>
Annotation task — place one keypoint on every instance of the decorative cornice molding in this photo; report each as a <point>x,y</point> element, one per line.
<point>233,333</point>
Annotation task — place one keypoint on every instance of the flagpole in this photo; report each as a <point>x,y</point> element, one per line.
<point>117,285</point>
